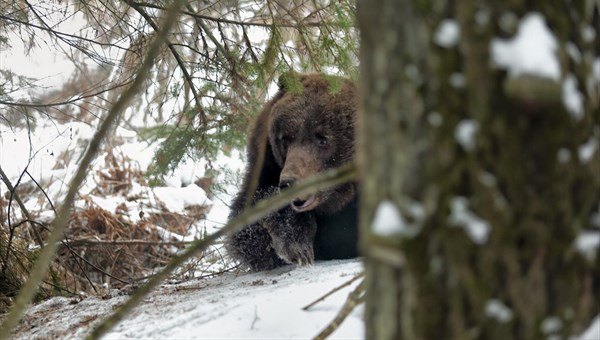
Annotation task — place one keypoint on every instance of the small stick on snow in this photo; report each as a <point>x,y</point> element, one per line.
<point>355,298</point>
<point>345,284</point>
<point>256,318</point>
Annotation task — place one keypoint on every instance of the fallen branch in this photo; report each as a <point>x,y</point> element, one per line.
<point>345,284</point>
<point>356,297</point>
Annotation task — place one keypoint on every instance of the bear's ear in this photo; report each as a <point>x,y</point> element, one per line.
<point>290,82</point>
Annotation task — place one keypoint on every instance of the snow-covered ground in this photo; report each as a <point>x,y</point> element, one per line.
<point>264,305</point>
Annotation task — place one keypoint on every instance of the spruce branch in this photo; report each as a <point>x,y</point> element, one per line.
<point>47,253</point>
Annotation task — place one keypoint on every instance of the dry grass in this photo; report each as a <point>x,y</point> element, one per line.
<point>102,249</point>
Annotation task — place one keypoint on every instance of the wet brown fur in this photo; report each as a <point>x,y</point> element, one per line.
<point>296,136</point>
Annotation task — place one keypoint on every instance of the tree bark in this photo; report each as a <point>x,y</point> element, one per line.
<point>485,245</point>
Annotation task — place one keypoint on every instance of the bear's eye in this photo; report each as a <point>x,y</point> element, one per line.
<point>285,140</point>
<point>321,139</point>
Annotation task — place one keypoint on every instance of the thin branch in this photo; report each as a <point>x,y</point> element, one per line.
<point>191,13</point>
<point>58,33</point>
<point>8,184</point>
<point>95,242</point>
<point>334,290</point>
<point>325,180</point>
<point>356,297</point>
<point>177,57</point>
<point>47,253</point>
<point>66,102</point>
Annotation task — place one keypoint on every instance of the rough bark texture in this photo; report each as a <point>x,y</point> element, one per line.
<point>525,175</point>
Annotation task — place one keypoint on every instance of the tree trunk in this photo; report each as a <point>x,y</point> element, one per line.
<point>477,181</point>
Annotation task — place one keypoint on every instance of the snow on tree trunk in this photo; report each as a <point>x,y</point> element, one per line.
<point>479,167</point>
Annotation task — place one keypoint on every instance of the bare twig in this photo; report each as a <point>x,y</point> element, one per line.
<point>95,242</point>
<point>178,59</point>
<point>256,318</point>
<point>345,284</point>
<point>14,194</point>
<point>356,297</point>
<point>47,253</point>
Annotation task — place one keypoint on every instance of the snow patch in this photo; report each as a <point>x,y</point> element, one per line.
<point>465,133</point>
<point>177,199</point>
<point>572,98</point>
<point>586,151</point>
<point>476,228</point>
<point>388,221</point>
<point>592,332</point>
<point>588,33</point>
<point>551,324</point>
<point>531,51</point>
<point>588,243</point>
<point>448,33</point>
<point>495,309</point>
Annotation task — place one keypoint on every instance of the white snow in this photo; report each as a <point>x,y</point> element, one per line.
<point>447,34</point>
<point>531,51</point>
<point>34,61</point>
<point>551,324</point>
<point>465,133</point>
<point>477,229</point>
<point>495,309</point>
<point>572,98</point>
<point>586,151</point>
<point>388,221</point>
<point>264,305</point>
<point>592,332</point>
<point>177,199</point>
<point>588,243</point>
<point>588,33</point>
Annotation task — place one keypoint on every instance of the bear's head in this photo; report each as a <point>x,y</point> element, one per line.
<point>311,129</point>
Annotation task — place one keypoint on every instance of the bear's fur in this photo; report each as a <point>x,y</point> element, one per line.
<point>299,133</point>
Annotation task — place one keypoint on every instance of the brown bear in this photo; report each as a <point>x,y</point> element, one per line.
<point>306,128</point>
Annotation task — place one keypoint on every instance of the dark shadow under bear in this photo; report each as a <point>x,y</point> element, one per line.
<point>302,131</point>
